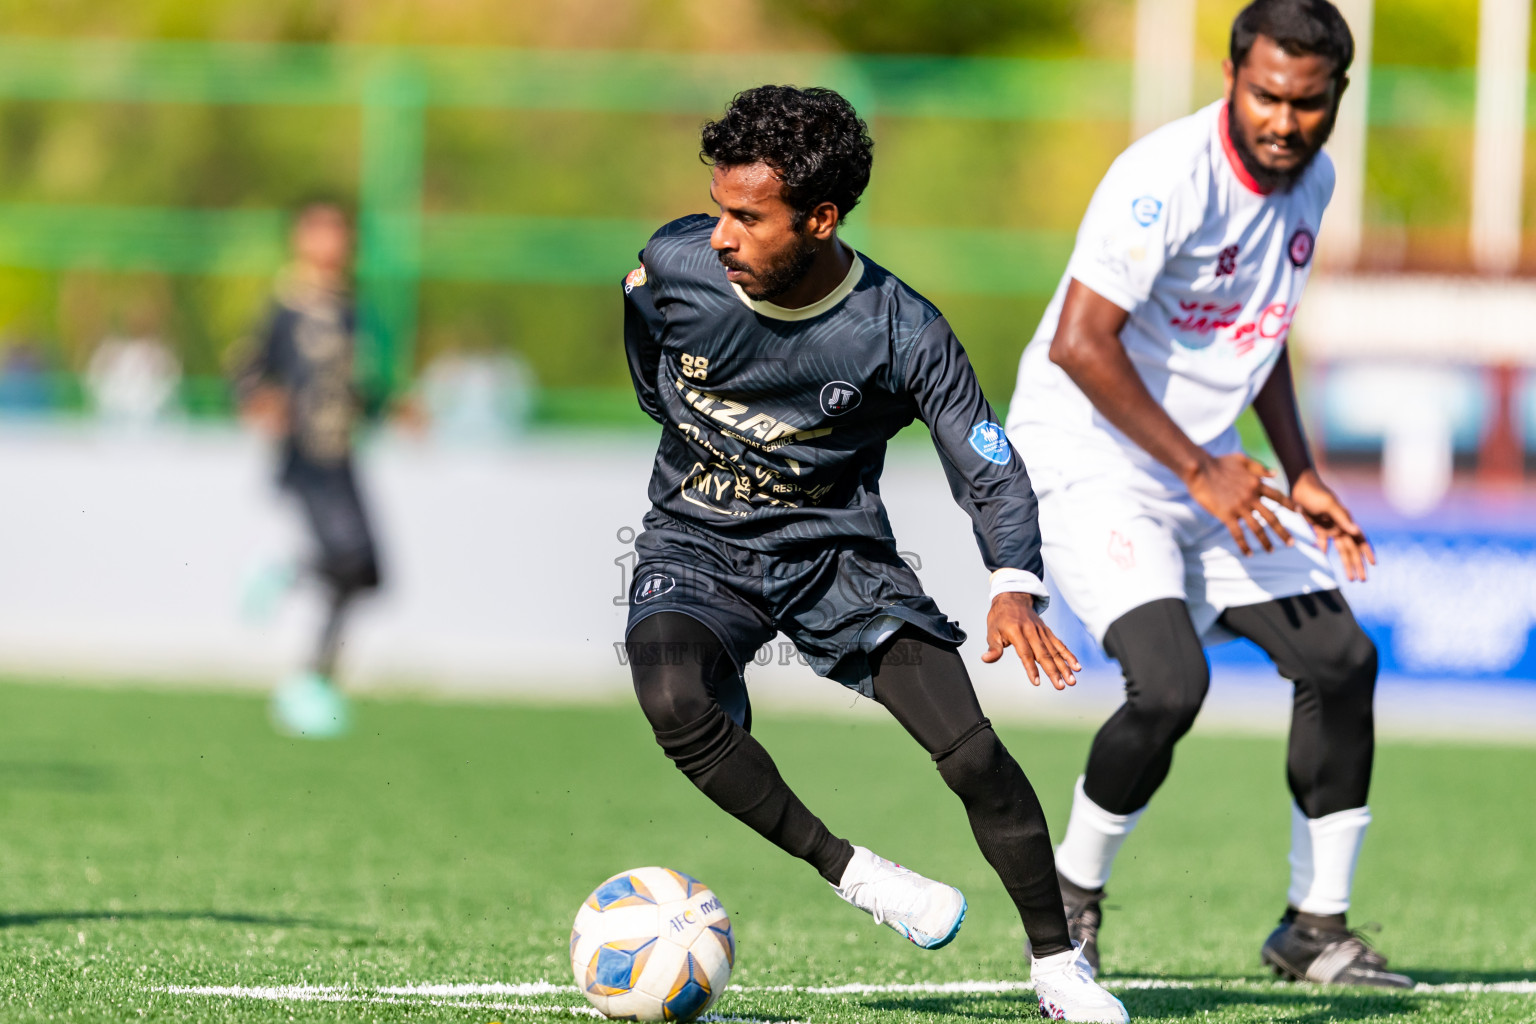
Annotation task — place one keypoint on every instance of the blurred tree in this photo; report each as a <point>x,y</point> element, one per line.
<point>921,26</point>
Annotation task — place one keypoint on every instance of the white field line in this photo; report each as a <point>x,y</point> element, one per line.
<point>323,994</point>
<point>455,994</point>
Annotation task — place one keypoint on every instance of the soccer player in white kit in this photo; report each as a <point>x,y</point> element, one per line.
<point>1161,534</point>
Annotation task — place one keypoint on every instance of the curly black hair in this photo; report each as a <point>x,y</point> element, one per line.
<point>812,138</point>
<point>1299,27</point>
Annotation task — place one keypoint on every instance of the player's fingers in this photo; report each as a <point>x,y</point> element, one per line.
<point>1346,522</point>
<point>1064,651</point>
<point>1012,638</point>
<point>1257,468</point>
<point>1370,552</point>
<point>1256,525</point>
<point>1238,538</point>
<point>1276,525</point>
<point>995,645</point>
<point>1048,647</point>
<point>1349,554</point>
<point>1055,669</point>
<point>1278,498</point>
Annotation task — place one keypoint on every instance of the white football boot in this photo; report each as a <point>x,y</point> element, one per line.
<point>1064,982</point>
<point>926,912</point>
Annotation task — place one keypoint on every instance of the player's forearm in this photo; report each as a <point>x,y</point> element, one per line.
<point>1098,365</point>
<point>1275,405</point>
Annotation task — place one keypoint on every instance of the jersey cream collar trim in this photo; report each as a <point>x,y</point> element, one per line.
<point>820,306</point>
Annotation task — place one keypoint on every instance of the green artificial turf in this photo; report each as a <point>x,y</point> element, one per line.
<point>151,840</point>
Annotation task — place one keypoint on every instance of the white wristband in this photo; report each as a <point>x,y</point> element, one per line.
<point>1020,581</point>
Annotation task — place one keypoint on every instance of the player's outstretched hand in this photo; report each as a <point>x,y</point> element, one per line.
<point>1233,488</point>
<point>1013,622</point>
<point>1331,521</point>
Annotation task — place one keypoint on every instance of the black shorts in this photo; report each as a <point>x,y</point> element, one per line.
<point>338,521</point>
<point>837,603</point>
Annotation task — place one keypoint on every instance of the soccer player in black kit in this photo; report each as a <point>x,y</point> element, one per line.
<point>779,362</point>
<point>299,387</point>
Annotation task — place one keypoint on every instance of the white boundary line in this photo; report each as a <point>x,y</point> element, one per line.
<point>456,994</point>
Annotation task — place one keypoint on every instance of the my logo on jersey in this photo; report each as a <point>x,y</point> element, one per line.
<point>839,397</point>
<point>1146,210</point>
<point>991,443</point>
<point>653,585</point>
<point>1300,249</point>
<point>634,279</point>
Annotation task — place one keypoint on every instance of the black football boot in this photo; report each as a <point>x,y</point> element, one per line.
<point>1321,948</point>
<point>1084,915</point>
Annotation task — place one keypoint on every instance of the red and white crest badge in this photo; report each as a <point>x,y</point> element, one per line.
<point>634,279</point>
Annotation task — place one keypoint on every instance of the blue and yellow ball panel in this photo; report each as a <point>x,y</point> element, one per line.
<point>722,931</point>
<point>616,966</point>
<point>575,938</point>
<point>687,884</point>
<point>690,992</point>
<point>622,891</point>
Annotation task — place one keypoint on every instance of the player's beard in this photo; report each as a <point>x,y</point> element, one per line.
<point>779,276</point>
<point>1271,179</point>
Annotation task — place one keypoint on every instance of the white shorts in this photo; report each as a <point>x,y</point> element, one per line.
<point>1111,548</point>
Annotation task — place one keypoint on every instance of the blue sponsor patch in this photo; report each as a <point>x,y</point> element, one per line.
<point>991,443</point>
<point>1146,210</point>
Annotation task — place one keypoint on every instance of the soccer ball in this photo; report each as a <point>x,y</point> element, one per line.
<point>652,944</point>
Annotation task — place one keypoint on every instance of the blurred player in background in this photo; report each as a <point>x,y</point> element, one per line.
<point>1161,534</point>
<point>299,388</point>
<point>779,362</point>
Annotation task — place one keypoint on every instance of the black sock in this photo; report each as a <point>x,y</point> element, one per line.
<point>681,694</point>
<point>733,770</point>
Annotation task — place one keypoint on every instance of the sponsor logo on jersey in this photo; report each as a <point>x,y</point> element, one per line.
<point>1300,248</point>
<point>758,429</point>
<point>653,586</point>
<point>991,443</point>
<point>634,279</point>
<point>1226,261</point>
<point>839,397</point>
<point>1146,210</point>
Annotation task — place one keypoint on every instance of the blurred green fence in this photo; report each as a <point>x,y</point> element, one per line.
<point>945,126</point>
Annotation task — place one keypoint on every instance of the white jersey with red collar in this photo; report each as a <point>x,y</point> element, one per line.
<point>1210,269</point>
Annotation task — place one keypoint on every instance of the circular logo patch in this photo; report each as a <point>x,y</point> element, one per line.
<point>839,397</point>
<point>654,585</point>
<point>1301,247</point>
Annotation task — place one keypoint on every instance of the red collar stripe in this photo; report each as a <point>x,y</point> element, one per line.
<point>1233,160</point>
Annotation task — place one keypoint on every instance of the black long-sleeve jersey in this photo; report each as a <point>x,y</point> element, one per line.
<point>776,420</point>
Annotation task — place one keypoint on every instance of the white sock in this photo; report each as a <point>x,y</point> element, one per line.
<point>1323,856</point>
<point>1094,836</point>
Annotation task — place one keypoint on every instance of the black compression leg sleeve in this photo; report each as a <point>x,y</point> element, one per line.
<point>1315,641</point>
<point>926,688</point>
<point>677,692</point>
<point>329,645</point>
<point>1166,677</point>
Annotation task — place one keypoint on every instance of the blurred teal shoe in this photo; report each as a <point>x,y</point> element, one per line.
<point>264,588</point>
<point>310,706</point>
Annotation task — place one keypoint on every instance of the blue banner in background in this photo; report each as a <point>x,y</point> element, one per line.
<point>1450,597</point>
